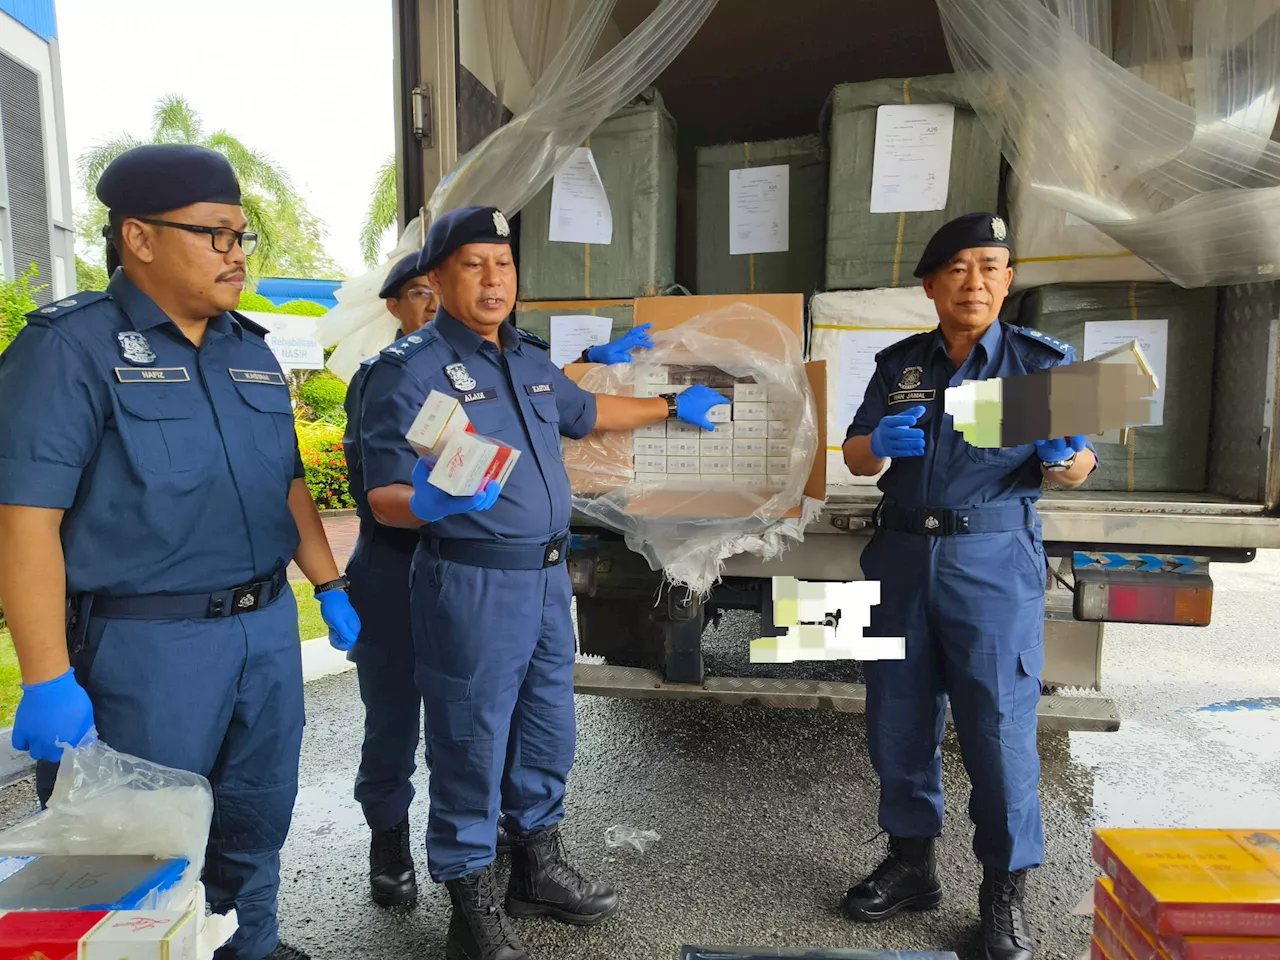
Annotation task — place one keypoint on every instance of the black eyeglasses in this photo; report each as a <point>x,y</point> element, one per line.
<point>222,238</point>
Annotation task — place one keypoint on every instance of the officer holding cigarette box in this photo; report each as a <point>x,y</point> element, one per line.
<point>379,575</point>
<point>962,571</point>
<point>493,637</point>
<point>151,490</point>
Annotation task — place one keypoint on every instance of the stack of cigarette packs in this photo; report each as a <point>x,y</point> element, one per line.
<point>1187,895</point>
<point>461,460</point>
<point>750,445</point>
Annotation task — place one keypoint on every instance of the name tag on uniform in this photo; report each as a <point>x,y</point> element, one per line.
<point>912,396</point>
<point>257,376</point>
<point>152,374</point>
<point>477,395</point>
<point>534,389</point>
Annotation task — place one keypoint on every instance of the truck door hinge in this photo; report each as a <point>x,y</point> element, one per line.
<point>423,124</point>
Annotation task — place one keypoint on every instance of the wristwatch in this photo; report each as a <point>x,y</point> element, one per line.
<point>1057,466</point>
<point>340,584</point>
<point>671,403</point>
<point>583,358</point>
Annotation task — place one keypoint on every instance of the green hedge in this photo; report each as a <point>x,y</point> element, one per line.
<point>324,394</point>
<point>17,299</point>
<point>325,463</point>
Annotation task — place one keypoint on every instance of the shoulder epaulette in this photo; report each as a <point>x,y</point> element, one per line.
<point>406,347</point>
<point>1053,343</point>
<point>256,329</point>
<point>902,344</point>
<point>61,308</point>
<point>371,361</point>
<point>532,339</point>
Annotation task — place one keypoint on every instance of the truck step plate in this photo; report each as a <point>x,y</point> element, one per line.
<point>602,680</point>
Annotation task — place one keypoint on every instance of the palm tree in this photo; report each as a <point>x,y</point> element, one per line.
<point>289,235</point>
<point>381,213</point>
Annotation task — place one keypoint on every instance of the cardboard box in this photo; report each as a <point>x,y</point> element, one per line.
<point>750,393</point>
<point>716,447</point>
<point>99,935</point>
<point>649,447</point>
<point>667,312</point>
<point>468,461</point>
<point>752,466</point>
<point>749,448</point>
<point>439,419</point>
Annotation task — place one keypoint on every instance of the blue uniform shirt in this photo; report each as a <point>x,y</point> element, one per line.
<point>351,442</point>
<point>516,395</point>
<point>916,372</point>
<point>173,463</point>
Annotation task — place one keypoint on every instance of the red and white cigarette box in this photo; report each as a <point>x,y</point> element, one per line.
<point>439,419</point>
<point>468,460</point>
<point>99,935</point>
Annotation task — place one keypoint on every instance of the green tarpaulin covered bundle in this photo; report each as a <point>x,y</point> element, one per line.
<point>635,153</point>
<point>799,268</point>
<point>1172,457</point>
<point>872,250</point>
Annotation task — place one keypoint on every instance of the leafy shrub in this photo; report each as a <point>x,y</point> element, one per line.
<point>256,303</point>
<point>325,463</point>
<point>323,394</point>
<point>17,299</point>
<point>302,308</point>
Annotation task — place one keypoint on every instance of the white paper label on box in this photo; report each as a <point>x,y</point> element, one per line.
<point>657,431</point>
<point>683,465</point>
<point>651,447</point>
<point>650,464</point>
<point>749,447</point>
<point>858,349</point>
<point>759,209</point>
<point>570,335</point>
<point>750,429</point>
<point>579,208</point>
<point>777,448</point>
<point>715,447</point>
<point>717,465</point>
<point>750,392</point>
<point>751,465</point>
<point>750,411</point>
<point>911,170</point>
<point>1152,336</point>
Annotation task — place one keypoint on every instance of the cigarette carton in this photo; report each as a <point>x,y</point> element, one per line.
<point>719,414</point>
<point>646,447</point>
<point>778,467</point>
<point>750,392</point>
<point>685,447</point>
<point>468,461</point>
<point>749,447</point>
<point>684,466</point>
<point>713,446</point>
<point>753,466</point>
<point>780,430</point>
<point>439,419</point>
<point>778,448</point>
<point>750,411</point>
<point>750,430</point>
<point>655,431</point>
<point>719,466</point>
<point>651,464</point>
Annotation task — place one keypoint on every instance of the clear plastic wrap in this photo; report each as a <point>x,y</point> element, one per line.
<point>1188,181</point>
<point>687,526</point>
<point>110,803</point>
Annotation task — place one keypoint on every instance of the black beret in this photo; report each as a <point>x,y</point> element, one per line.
<point>963,233</point>
<point>166,176</point>
<point>406,269</point>
<point>458,228</point>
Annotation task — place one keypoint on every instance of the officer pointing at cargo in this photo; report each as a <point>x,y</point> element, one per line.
<point>379,574</point>
<point>151,485</point>
<point>493,637</point>
<point>958,554</point>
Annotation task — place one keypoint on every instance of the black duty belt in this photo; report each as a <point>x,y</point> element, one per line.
<point>498,554</point>
<point>947,521</point>
<point>190,606</point>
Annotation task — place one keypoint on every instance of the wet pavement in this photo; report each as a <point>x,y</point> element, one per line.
<point>764,816</point>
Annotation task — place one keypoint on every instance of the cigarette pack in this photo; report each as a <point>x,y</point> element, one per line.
<point>685,466</point>
<point>750,393</point>
<point>753,466</point>
<point>651,464</point>
<point>750,430</point>
<point>713,446</point>
<point>750,411</point>
<point>648,447</point>
<point>779,430</point>
<point>749,447</point>
<point>719,466</point>
<point>440,417</point>
<point>469,460</point>
<point>1195,883</point>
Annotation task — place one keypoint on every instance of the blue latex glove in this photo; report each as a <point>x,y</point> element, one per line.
<point>430,503</point>
<point>898,436</point>
<point>51,715</point>
<point>619,351</point>
<point>1059,448</point>
<point>344,624</point>
<point>692,405</point>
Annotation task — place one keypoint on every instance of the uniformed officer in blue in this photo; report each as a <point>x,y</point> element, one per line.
<point>492,631</point>
<point>151,498</point>
<point>379,574</point>
<point>958,554</point>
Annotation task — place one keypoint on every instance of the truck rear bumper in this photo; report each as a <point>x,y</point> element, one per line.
<point>1056,712</point>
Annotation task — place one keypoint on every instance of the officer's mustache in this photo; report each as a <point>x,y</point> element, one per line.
<point>231,275</point>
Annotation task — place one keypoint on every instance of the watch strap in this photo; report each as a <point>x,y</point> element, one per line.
<point>340,584</point>
<point>672,404</point>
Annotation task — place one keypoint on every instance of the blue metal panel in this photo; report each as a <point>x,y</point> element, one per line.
<point>38,16</point>
<point>281,290</point>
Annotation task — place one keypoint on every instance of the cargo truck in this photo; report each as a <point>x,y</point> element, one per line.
<point>755,71</point>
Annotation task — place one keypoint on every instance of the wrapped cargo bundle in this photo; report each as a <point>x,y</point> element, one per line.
<point>906,157</point>
<point>536,317</point>
<point>849,329</point>
<point>1176,330</point>
<point>633,156</point>
<point>761,216</point>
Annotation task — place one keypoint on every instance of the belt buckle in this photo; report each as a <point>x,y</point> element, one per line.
<point>248,597</point>
<point>934,522</point>
<point>554,552</point>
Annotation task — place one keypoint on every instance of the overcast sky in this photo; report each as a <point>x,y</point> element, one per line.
<point>308,82</point>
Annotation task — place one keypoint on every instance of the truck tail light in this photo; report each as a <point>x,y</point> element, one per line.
<point>1177,600</point>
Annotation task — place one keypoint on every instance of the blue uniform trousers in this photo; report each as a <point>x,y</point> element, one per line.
<point>495,653</point>
<point>971,607</point>
<point>222,698</point>
<point>379,575</point>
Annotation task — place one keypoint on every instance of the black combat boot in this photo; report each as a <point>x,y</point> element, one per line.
<point>478,927</point>
<point>282,952</point>
<point>392,880</point>
<point>544,884</point>
<point>1006,935</point>
<point>906,880</point>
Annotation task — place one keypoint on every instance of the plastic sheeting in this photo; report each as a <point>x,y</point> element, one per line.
<point>512,164</point>
<point>688,527</point>
<point>1171,159</point>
